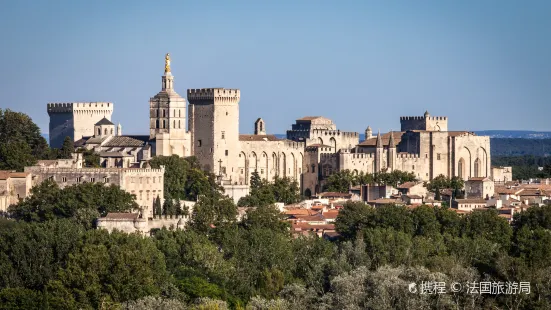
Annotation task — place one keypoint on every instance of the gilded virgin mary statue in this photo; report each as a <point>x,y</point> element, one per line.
<point>167,63</point>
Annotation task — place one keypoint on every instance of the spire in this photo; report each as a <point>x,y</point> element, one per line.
<point>119,130</point>
<point>391,143</point>
<point>427,114</point>
<point>379,140</point>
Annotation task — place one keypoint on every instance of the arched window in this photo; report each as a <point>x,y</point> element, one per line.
<point>164,123</point>
<point>105,131</point>
<point>261,126</point>
<point>179,124</point>
<point>164,113</point>
<point>179,113</point>
<point>174,124</point>
<point>476,168</point>
<point>99,132</point>
<point>460,167</point>
<point>111,130</point>
<point>157,124</point>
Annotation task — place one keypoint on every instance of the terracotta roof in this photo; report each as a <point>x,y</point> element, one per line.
<point>533,192</point>
<point>300,212</point>
<point>507,191</point>
<point>95,140</point>
<point>407,185</point>
<point>414,197</point>
<point>122,216</point>
<point>6,174</point>
<point>310,218</point>
<point>385,139</point>
<point>258,138</point>
<point>384,201</point>
<point>119,141</point>
<point>331,214</point>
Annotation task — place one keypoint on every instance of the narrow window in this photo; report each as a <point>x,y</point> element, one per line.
<point>226,152</point>
<point>223,135</point>
<point>438,156</point>
<point>261,171</point>
<point>63,179</point>
<point>413,167</point>
<point>92,180</point>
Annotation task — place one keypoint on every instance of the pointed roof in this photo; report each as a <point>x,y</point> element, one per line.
<point>379,141</point>
<point>391,143</point>
<point>104,121</point>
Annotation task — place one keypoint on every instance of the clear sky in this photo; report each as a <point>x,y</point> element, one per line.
<point>485,64</point>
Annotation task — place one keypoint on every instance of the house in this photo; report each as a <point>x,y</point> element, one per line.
<point>374,192</point>
<point>330,216</point>
<point>412,199</point>
<point>13,186</point>
<point>479,188</point>
<point>469,204</point>
<point>305,229</point>
<point>412,188</point>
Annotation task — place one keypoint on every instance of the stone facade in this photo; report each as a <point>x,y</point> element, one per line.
<point>427,152</point>
<point>13,186</point>
<point>502,174</point>
<point>145,183</point>
<point>75,120</point>
<point>313,149</point>
<point>480,188</point>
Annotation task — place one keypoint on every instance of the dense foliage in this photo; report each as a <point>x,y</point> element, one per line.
<point>184,179</point>
<point>520,147</point>
<point>82,202</point>
<point>264,193</point>
<point>53,261</point>
<point>525,167</point>
<point>341,181</point>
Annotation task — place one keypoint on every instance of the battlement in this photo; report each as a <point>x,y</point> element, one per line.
<point>328,156</point>
<point>212,94</point>
<point>67,107</point>
<point>335,133</point>
<point>294,144</point>
<point>361,155</point>
<point>100,170</point>
<point>407,155</point>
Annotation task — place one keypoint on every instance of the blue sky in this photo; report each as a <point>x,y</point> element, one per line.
<point>485,64</point>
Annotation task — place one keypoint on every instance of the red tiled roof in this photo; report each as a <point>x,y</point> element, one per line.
<point>385,139</point>
<point>334,194</point>
<point>407,185</point>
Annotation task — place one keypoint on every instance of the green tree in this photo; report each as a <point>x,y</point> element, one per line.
<point>212,211</point>
<point>15,155</point>
<point>353,218</point>
<point>17,129</point>
<point>47,201</point>
<point>67,149</point>
<point>436,185</point>
<point>157,207</point>
<point>91,158</point>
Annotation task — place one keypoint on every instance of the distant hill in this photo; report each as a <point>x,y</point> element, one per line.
<point>520,134</point>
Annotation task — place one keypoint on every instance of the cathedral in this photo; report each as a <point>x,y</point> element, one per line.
<point>313,148</point>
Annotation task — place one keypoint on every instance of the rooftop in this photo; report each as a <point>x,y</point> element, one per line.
<point>104,121</point>
<point>258,138</point>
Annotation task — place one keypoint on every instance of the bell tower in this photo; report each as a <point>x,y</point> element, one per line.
<point>167,116</point>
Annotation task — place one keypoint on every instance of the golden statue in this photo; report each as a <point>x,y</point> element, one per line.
<point>167,63</point>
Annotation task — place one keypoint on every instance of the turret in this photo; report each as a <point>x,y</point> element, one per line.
<point>119,130</point>
<point>368,133</point>
<point>379,154</point>
<point>259,127</point>
<point>391,152</point>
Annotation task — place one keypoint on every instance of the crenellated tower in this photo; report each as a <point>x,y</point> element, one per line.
<point>214,127</point>
<point>75,120</point>
<point>425,122</point>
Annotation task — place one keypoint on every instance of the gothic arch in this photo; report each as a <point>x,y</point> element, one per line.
<point>476,168</point>
<point>283,166</point>
<point>292,166</point>
<point>275,165</point>
<point>461,168</point>
<point>253,161</point>
<point>333,144</point>
<point>485,164</point>
<point>320,141</point>
<point>266,166</point>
